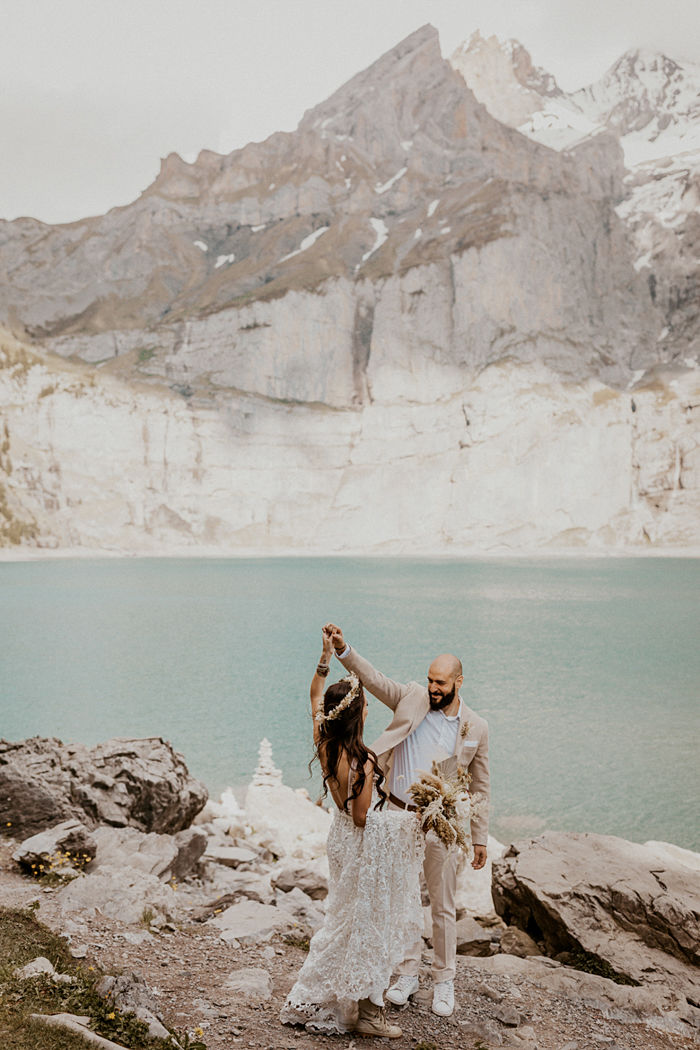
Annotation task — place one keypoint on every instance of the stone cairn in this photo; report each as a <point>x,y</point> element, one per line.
<point>266,774</point>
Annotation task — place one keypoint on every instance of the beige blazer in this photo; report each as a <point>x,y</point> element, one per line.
<point>410,704</point>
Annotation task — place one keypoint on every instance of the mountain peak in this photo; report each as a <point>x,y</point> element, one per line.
<point>637,60</point>
<point>409,93</point>
<point>643,89</point>
<point>420,47</point>
<point>503,77</point>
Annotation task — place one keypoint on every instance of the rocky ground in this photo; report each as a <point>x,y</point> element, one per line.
<point>188,968</point>
<point>214,917</point>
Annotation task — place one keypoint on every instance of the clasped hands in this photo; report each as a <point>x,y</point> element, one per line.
<point>333,637</point>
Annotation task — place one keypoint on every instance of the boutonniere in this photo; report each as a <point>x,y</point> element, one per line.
<point>465,730</point>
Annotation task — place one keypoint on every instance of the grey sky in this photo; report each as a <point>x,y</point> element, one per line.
<point>94,92</point>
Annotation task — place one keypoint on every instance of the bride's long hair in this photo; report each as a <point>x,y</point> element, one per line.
<point>343,734</point>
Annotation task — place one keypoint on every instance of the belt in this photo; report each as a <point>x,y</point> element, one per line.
<point>402,805</point>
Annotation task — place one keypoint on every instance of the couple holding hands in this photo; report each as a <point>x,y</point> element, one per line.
<point>376,847</point>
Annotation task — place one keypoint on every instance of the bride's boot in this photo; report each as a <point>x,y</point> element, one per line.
<point>371,1020</point>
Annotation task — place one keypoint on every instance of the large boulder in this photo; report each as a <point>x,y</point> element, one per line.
<point>626,908</point>
<point>140,783</point>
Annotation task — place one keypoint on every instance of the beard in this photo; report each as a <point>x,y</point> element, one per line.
<point>438,705</point>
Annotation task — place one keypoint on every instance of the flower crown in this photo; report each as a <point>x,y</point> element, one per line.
<point>345,702</point>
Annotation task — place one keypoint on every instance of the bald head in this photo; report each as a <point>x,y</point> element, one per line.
<point>446,664</point>
<point>444,679</point>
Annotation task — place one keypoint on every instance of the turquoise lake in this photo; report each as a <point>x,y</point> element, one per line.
<point>588,670</point>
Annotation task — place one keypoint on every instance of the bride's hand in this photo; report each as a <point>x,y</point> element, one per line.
<point>327,637</point>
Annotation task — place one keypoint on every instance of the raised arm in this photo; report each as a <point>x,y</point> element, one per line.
<point>385,689</point>
<point>318,682</point>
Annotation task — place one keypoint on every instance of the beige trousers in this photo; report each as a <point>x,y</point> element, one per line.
<point>440,871</point>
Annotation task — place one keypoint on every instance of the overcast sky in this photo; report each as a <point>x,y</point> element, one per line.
<point>95,92</point>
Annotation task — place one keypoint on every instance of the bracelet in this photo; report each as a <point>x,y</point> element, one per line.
<point>322,670</point>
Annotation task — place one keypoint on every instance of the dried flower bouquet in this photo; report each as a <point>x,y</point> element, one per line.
<point>446,806</point>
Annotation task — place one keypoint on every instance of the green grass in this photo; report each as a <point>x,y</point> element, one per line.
<point>22,939</point>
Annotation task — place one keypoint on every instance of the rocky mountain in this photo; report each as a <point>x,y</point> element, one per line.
<point>401,176</point>
<point>283,347</point>
<point>651,103</point>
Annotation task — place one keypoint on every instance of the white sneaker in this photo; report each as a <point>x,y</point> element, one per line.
<point>443,998</point>
<point>402,989</point>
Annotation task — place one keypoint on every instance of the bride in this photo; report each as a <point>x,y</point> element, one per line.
<point>373,910</point>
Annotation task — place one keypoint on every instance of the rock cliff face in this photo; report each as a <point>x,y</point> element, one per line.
<point>516,459</point>
<point>405,326</point>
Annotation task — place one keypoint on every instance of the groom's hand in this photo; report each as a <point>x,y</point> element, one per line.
<point>479,857</point>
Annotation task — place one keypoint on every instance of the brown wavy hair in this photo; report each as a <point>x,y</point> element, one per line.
<point>343,734</point>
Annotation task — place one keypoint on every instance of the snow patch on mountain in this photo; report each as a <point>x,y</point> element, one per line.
<point>558,125</point>
<point>384,186</point>
<point>306,243</point>
<point>380,228</point>
<point>652,143</point>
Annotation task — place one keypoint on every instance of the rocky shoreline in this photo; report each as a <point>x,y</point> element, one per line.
<point>201,911</point>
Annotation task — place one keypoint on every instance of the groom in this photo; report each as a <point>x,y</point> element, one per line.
<point>429,724</point>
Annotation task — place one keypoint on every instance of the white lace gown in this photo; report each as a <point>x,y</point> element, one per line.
<point>373,915</point>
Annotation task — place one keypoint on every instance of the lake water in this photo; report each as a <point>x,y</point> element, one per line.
<point>587,670</point>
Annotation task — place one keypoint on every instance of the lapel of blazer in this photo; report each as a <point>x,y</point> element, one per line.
<point>462,733</point>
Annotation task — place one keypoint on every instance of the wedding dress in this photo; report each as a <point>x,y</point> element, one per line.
<point>373,915</point>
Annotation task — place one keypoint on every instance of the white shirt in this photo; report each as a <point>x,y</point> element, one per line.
<point>433,740</point>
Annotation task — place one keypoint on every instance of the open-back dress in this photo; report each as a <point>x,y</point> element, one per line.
<point>373,915</point>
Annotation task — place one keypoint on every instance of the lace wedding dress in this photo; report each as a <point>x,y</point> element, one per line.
<point>373,915</point>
